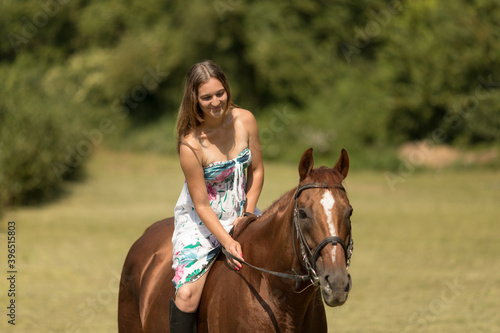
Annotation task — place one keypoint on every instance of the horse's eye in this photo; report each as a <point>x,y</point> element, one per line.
<point>349,213</point>
<point>302,214</point>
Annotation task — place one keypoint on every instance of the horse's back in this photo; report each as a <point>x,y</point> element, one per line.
<point>145,286</point>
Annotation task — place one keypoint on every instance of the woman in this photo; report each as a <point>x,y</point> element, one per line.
<point>216,142</point>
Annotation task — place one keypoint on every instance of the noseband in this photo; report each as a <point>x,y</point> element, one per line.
<point>310,258</point>
<point>307,257</point>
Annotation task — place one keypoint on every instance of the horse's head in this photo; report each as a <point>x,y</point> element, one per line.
<point>323,215</point>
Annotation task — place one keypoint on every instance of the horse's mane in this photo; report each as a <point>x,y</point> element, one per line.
<point>279,205</point>
<point>321,174</point>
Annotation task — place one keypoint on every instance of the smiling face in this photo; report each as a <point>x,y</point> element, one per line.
<point>212,98</point>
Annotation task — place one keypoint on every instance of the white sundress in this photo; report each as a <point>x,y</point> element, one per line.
<point>194,246</point>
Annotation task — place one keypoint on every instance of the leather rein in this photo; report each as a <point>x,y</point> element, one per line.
<point>309,258</point>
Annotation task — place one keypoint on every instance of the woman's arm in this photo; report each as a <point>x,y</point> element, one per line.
<point>255,171</point>
<point>193,171</point>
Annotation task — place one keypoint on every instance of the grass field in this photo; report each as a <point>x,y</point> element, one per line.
<point>426,255</point>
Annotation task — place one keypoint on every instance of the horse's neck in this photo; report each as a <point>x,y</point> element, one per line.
<point>274,232</point>
<point>270,241</point>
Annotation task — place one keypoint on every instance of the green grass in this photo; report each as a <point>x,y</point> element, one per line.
<point>426,257</point>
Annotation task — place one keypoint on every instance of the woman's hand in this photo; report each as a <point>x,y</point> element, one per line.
<point>234,248</point>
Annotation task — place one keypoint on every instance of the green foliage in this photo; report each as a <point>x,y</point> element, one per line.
<point>364,75</point>
<point>41,143</point>
<point>448,77</point>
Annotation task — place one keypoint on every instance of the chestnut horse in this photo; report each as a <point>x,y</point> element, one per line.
<point>299,250</point>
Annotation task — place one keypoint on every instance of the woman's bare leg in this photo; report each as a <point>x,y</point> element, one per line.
<point>188,295</point>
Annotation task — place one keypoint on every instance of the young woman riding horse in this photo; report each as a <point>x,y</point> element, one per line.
<point>300,249</point>
<point>216,142</point>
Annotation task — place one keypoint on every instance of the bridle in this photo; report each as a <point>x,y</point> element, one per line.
<point>309,258</point>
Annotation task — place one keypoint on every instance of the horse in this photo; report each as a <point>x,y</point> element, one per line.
<point>297,254</point>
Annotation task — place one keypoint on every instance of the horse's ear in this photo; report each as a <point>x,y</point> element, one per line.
<point>342,165</point>
<point>306,163</point>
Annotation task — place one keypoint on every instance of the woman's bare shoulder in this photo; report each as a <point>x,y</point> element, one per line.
<point>192,139</point>
<point>243,115</point>
<point>191,142</point>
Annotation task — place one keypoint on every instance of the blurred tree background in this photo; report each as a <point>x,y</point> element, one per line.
<point>366,75</point>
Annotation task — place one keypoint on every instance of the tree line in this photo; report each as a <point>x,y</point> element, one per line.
<point>364,75</point>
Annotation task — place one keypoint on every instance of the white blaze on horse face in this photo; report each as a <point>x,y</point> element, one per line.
<point>328,201</point>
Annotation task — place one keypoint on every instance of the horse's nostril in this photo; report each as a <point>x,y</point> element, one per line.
<point>349,283</point>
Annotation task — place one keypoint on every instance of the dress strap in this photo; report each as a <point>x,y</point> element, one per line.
<point>240,185</point>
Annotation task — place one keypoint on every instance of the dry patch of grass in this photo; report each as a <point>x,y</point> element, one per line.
<point>423,153</point>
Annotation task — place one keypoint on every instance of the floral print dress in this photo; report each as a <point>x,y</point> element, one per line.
<point>194,246</point>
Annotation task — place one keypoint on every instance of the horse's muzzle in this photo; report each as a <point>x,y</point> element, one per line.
<point>335,287</point>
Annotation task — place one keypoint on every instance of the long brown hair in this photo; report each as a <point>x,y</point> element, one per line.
<point>190,114</point>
